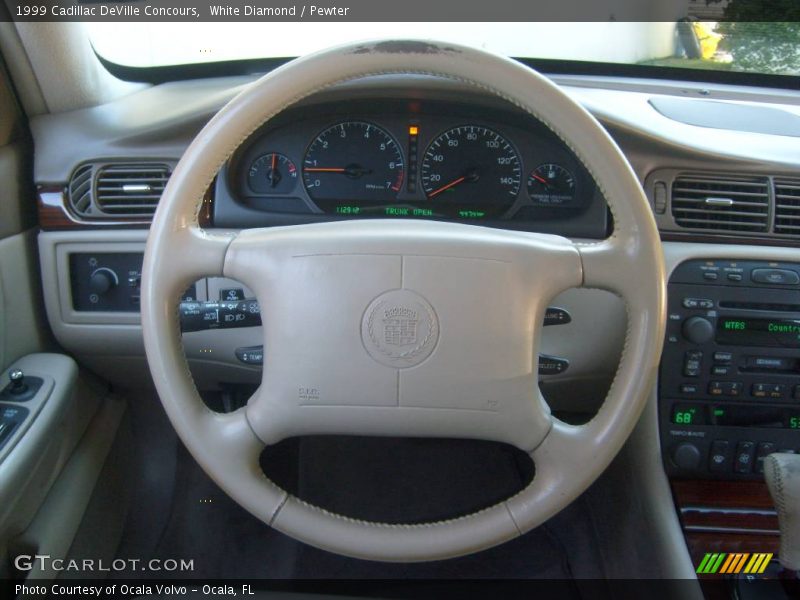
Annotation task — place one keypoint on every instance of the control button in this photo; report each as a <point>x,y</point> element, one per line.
<point>725,388</point>
<point>253,355</point>
<point>776,391</point>
<point>697,330</point>
<point>231,294</point>
<point>732,389</point>
<point>689,388</point>
<point>764,449</point>
<point>552,365</point>
<point>706,303</point>
<point>710,276</point>
<point>556,316</point>
<point>745,453</point>
<point>686,456</point>
<point>134,281</point>
<point>759,390</point>
<point>724,358</point>
<point>102,280</point>
<point>769,362</point>
<point>197,316</point>
<point>719,459</point>
<point>692,362</point>
<point>720,370</point>
<point>734,276</point>
<point>691,303</point>
<point>775,276</point>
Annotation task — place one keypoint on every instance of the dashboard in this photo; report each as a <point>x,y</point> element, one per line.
<point>419,158</point>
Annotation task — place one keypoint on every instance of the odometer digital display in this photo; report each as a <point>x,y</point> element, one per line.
<point>777,333</point>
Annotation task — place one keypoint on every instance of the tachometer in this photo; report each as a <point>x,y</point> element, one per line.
<point>353,162</point>
<point>472,168</point>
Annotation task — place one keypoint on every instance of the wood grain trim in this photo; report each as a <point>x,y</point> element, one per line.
<point>55,214</point>
<point>726,516</point>
<point>722,494</point>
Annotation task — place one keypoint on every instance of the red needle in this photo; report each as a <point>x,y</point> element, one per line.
<point>447,187</point>
<point>539,178</point>
<point>274,161</point>
<point>325,170</point>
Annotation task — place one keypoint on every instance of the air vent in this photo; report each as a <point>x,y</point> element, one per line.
<point>787,206</point>
<point>721,203</point>
<point>80,191</point>
<point>130,189</point>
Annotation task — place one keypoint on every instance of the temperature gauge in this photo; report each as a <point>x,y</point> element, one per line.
<point>272,173</point>
<point>552,185</point>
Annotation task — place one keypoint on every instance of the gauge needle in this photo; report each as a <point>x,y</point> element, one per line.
<point>540,179</point>
<point>274,176</point>
<point>352,171</point>
<point>453,183</point>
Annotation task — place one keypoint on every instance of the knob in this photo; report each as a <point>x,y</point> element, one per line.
<point>102,280</point>
<point>698,330</point>
<point>686,456</point>
<point>17,378</point>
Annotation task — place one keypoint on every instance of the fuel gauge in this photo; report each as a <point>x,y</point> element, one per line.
<point>272,173</point>
<point>551,185</point>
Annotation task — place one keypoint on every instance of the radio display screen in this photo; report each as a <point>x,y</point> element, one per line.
<point>777,333</point>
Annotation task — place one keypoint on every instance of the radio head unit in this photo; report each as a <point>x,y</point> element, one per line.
<point>729,384</point>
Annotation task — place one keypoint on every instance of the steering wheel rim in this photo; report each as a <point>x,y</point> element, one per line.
<point>567,458</point>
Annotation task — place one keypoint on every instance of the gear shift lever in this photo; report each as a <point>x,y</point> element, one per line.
<point>782,472</point>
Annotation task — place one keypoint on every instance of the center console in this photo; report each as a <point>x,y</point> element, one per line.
<point>729,385</point>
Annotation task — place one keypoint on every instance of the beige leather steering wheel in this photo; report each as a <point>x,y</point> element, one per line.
<point>477,296</point>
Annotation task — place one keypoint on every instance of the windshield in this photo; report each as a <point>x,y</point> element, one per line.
<point>772,48</point>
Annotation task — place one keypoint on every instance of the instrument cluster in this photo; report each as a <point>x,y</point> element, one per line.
<point>400,159</point>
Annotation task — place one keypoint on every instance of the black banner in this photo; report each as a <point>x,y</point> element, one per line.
<point>332,11</point>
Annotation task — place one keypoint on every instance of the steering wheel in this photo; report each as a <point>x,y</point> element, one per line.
<point>467,303</point>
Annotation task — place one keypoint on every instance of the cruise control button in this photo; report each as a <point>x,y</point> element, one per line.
<point>552,365</point>
<point>556,316</point>
<point>775,276</point>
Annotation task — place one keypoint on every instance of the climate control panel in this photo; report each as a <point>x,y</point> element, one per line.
<point>729,384</point>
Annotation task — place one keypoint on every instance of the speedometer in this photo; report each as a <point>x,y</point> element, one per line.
<point>355,163</point>
<point>472,168</point>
